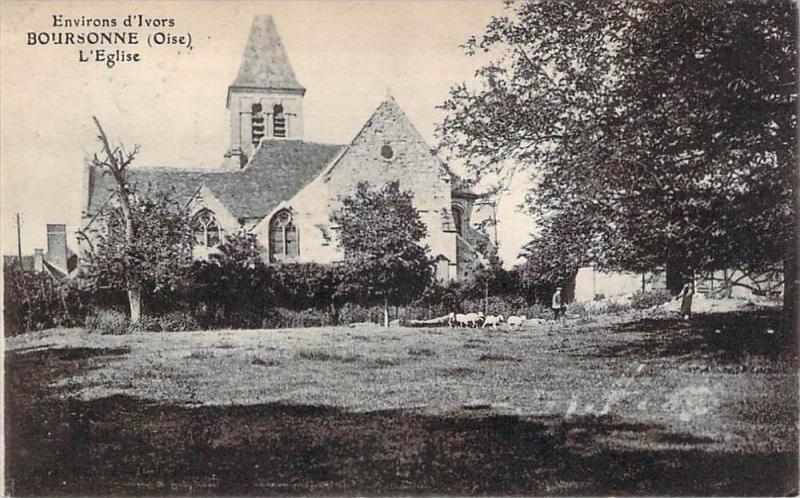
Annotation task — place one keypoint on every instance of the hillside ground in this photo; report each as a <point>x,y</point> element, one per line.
<point>612,405</point>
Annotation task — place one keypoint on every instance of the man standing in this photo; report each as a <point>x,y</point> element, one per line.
<point>558,307</point>
<point>686,299</point>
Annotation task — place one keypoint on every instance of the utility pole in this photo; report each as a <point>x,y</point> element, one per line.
<point>19,241</point>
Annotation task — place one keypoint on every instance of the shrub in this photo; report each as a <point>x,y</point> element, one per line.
<point>585,311</point>
<point>644,300</point>
<point>356,313</point>
<point>615,307</point>
<point>36,301</point>
<point>108,322</point>
<point>507,306</point>
<point>280,318</point>
<point>177,321</point>
<point>146,324</point>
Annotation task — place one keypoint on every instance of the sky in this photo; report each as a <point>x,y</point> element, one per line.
<point>348,55</point>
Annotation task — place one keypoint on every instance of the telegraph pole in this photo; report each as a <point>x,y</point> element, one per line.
<point>19,242</point>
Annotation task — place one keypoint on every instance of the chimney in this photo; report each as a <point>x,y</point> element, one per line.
<point>57,246</point>
<point>38,260</point>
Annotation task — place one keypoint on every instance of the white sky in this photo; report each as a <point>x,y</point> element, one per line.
<point>173,102</point>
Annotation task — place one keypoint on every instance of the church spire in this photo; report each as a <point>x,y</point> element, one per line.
<point>265,100</point>
<point>265,64</point>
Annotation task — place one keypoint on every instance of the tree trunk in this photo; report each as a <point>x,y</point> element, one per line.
<point>385,310</point>
<point>135,301</point>
<point>790,282</point>
<point>486,298</point>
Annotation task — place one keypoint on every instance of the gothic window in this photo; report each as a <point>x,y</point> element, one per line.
<point>283,237</point>
<point>458,219</point>
<point>257,123</point>
<point>206,229</point>
<point>278,122</point>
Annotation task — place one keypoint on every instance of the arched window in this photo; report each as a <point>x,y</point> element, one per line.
<point>206,229</point>
<point>458,219</point>
<point>278,122</point>
<point>257,123</point>
<point>283,237</point>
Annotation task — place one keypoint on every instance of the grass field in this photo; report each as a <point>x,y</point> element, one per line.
<point>617,406</point>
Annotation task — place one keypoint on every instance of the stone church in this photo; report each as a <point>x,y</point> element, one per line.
<point>283,188</point>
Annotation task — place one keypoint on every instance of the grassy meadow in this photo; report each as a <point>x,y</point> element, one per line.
<point>616,405</point>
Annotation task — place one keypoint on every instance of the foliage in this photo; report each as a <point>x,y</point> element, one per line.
<point>234,280</point>
<point>380,233</point>
<point>281,318</point>
<point>508,305</point>
<point>651,136</point>
<point>645,300</point>
<point>155,259</point>
<point>304,285</point>
<point>177,321</point>
<point>36,301</point>
<point>108,322</point>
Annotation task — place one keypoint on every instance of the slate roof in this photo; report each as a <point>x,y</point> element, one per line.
<point>276,172</point>
<point>265,63</point>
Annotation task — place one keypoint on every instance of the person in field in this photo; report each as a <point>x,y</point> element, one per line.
<point>686,299</point>
<point>558,305</point>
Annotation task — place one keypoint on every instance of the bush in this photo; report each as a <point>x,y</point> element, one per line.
<point>356,313</point>
<point>108,322</point>
<point>177,321</point>
<point>146,324</point>
<point>36,301</point>
<point>281,318</point>
<point>507,306</point>
<point>645,300</point>
<point>587,310</point>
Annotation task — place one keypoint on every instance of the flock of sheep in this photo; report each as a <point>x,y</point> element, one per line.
<point>476,320</point>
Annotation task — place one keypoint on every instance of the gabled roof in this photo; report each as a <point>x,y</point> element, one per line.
<point>265,64</point>
<point>277,171</point>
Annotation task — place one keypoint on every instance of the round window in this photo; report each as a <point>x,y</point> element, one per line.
<point>387,152</point>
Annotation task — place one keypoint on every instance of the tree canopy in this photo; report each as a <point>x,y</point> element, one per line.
<point>652,131</point>
<point>154,259</point>
<point>381,234</point>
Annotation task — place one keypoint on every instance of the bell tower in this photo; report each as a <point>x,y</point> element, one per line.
<point>265,100</point>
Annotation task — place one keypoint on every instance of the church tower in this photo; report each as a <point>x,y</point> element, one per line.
<point>265,100</point>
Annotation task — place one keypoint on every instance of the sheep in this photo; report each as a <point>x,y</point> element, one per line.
<point>474,318</point>
<point>469,319</point>
<point>516,320</point>
<point>493,321</point>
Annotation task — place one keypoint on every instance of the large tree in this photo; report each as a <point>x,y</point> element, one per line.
<point>662,131</point>
<point>381,233</point>
<point>140,241</point>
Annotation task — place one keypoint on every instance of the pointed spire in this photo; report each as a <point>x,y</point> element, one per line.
<point>265,64</point>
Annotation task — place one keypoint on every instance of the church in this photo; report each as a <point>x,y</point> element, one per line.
<point>284,189</point>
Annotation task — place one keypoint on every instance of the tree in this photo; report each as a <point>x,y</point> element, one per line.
<point>140,241</point>
<point>662,131</point>
<point>381,234</point>
<point>236,279</point>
